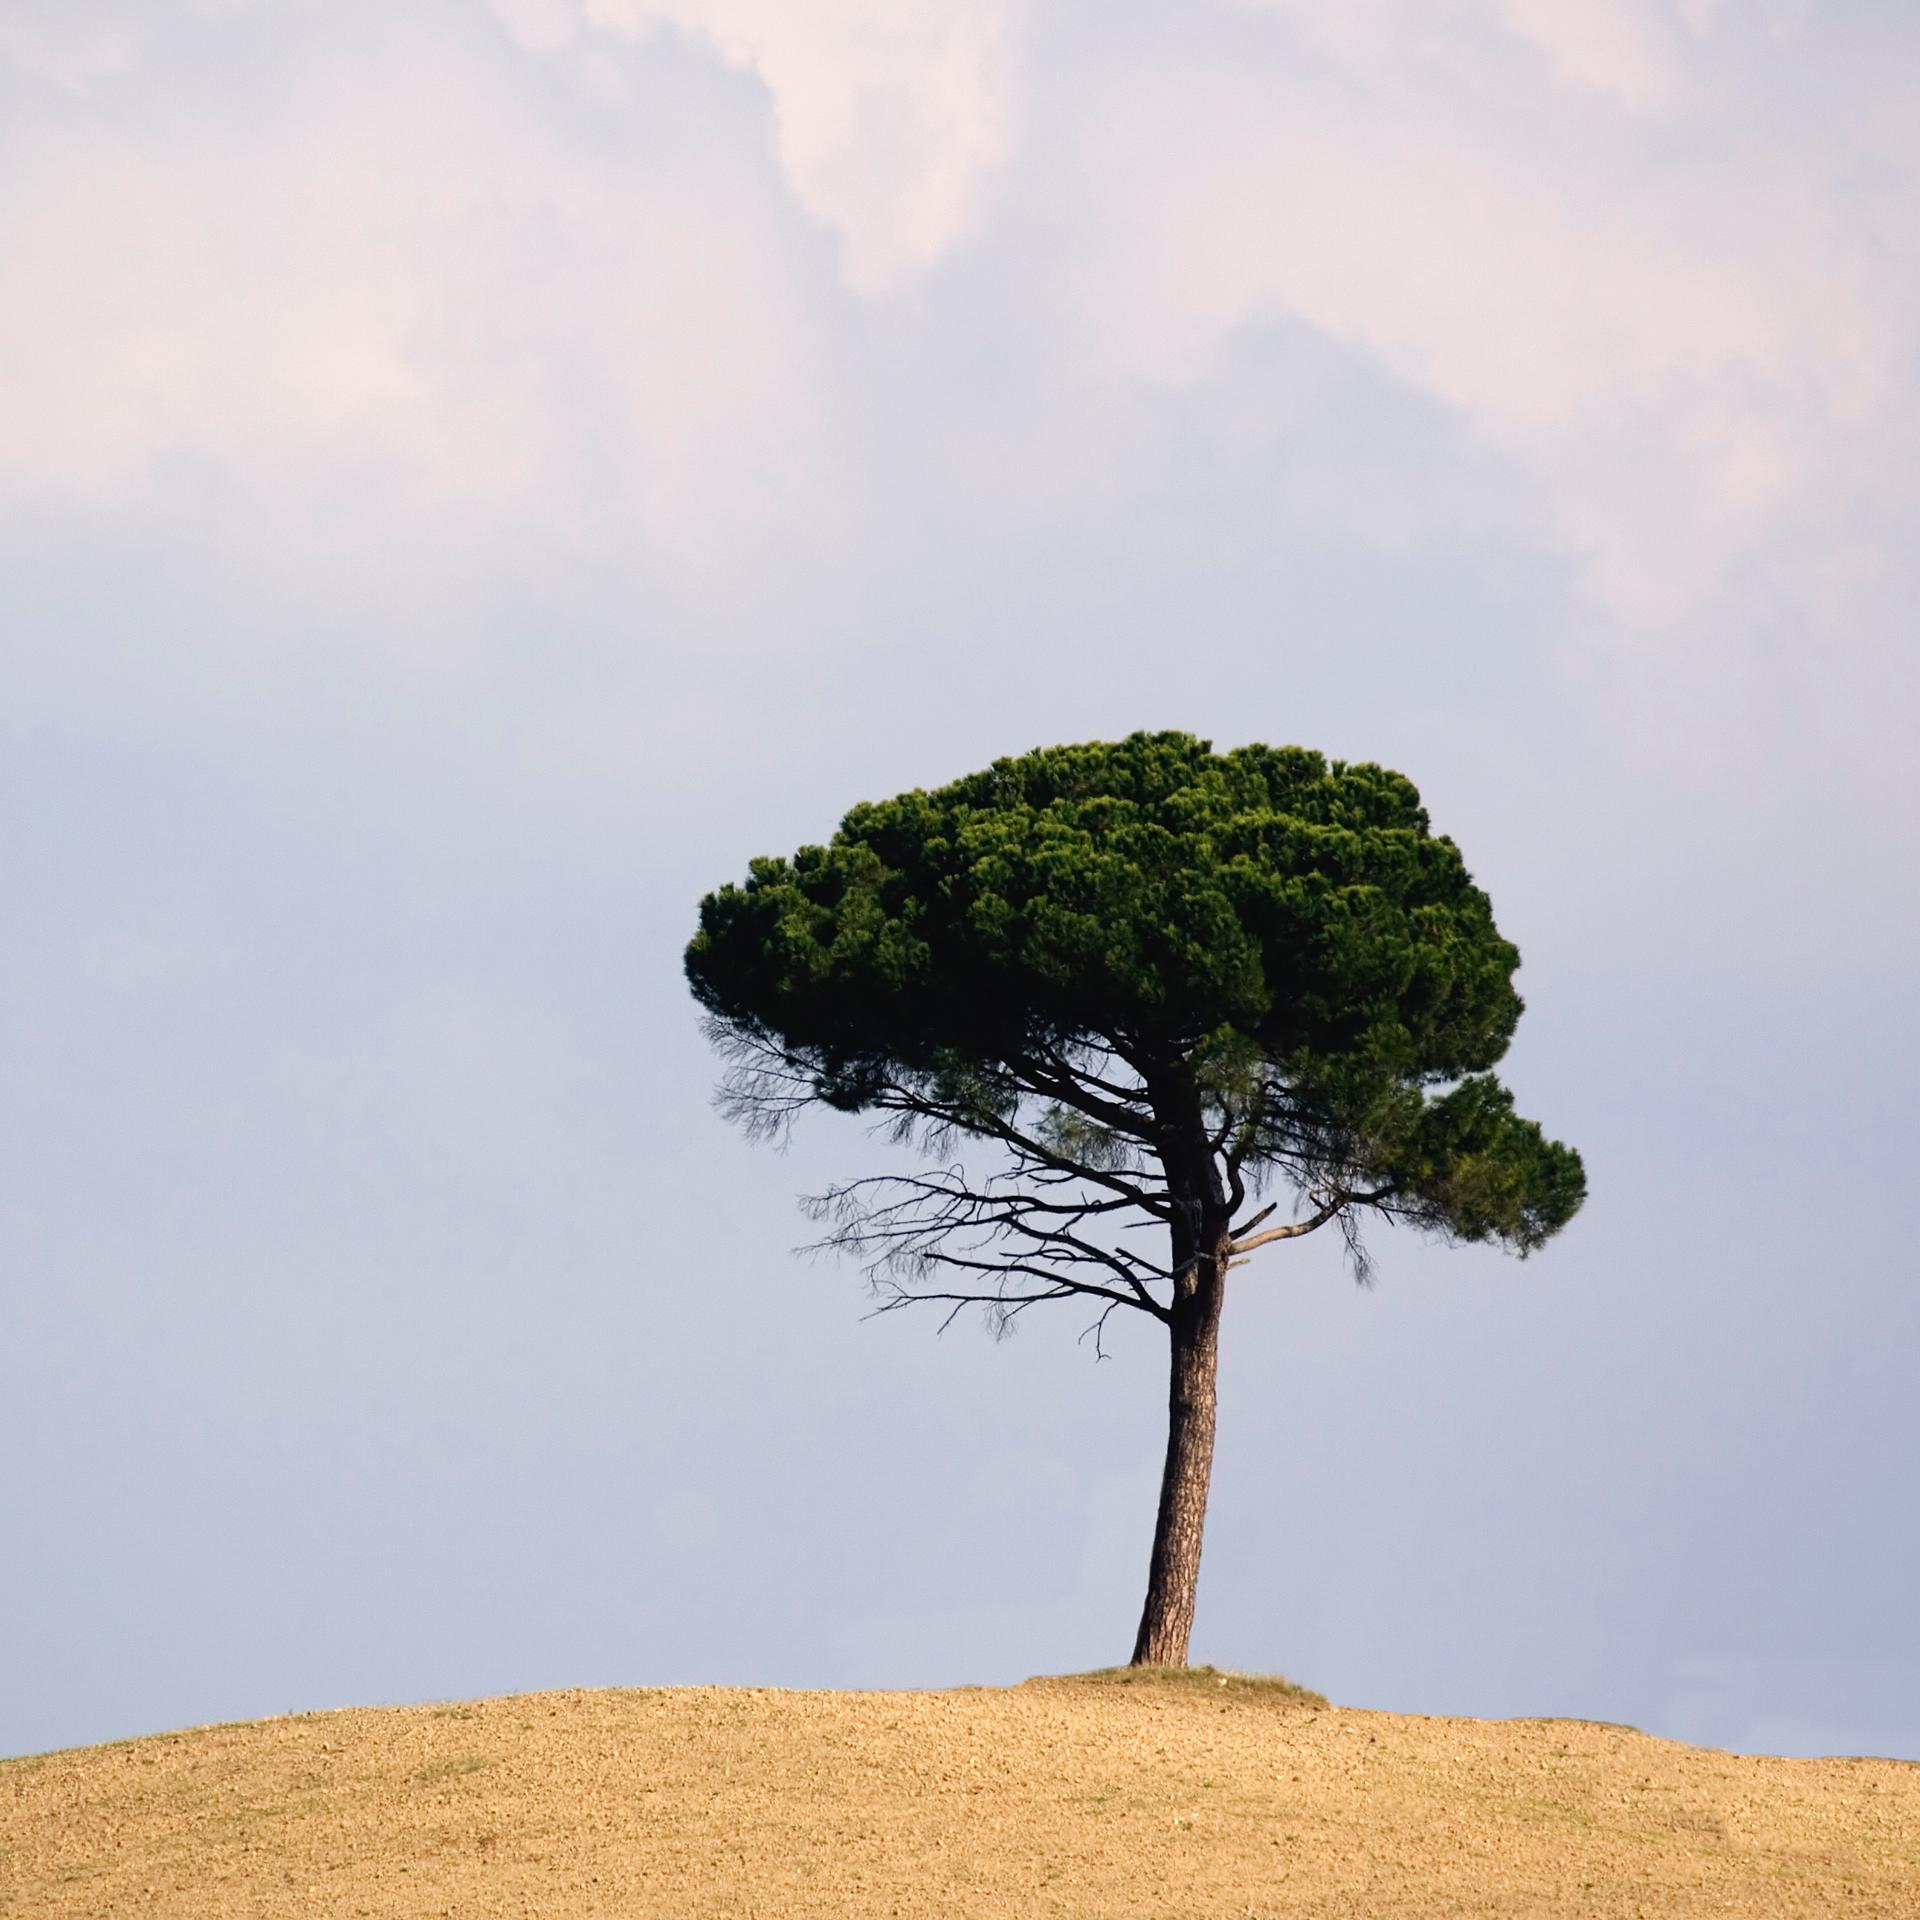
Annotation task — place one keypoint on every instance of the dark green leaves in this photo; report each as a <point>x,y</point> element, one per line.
<point>1274,944</point>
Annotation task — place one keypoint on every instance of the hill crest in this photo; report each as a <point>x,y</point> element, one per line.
<point>1095,1794</point>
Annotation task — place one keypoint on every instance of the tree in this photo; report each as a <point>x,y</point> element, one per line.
<point>1152,983</point>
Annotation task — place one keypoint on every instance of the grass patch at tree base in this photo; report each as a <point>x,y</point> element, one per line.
<point>1213,1681</point>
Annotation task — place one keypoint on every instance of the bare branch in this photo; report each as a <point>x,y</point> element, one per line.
<point>1031,1241</point>
<point>1124,1110</point>
<point>1247,1226</point>
<point>1312,1224</point>
<point>1339,1207</point>
<point>1097,1331</point>
<point>1033,1151</point>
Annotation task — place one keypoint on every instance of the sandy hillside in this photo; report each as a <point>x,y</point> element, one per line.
<point>1075,1797</point>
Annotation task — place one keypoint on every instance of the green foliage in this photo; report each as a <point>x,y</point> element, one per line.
<point>1273,948</point>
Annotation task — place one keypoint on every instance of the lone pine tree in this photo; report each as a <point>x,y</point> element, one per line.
<point>1153,983</point>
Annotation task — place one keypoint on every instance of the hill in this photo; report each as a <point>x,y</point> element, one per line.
<point>1103,1795</point>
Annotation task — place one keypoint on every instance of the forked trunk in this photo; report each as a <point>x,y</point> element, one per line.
<point>1166,1621</point>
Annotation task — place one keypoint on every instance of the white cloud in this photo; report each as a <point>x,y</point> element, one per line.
<point>541,26</point>
<point>1672,347</point>
<point>410,275</point>
<point>891,116</point>
<point>421,305</point>
<point>1622,47</point>
<point>402,403</point>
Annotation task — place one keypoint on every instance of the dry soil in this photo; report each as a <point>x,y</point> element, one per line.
<point>1072,1797</point>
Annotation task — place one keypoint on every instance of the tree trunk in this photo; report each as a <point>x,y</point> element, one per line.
<point>1166,1621</point>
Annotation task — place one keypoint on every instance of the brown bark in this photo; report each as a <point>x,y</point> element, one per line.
<point>1173,1575</point>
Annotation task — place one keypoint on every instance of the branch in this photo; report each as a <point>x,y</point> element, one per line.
<point>904,1100</point>
<point>1313,1222</point>
<point>1247,1226</point>
<point>1071,1086</point>
<point>1096,1332</point>
<point>1057,1285</point>
<point>1044,1229</point>
<point>905,1226</point>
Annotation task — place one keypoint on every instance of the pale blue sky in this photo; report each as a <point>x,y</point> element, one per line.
<point>470,477</point>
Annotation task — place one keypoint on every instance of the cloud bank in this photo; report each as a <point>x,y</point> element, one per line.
<point>604,280</point>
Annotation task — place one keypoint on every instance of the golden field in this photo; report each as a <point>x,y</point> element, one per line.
<point>1117,1795</point>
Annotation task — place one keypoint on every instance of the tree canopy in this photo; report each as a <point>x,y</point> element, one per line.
<point>1280,939</point>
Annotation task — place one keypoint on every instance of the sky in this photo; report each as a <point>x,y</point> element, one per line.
<point>473,476</point>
